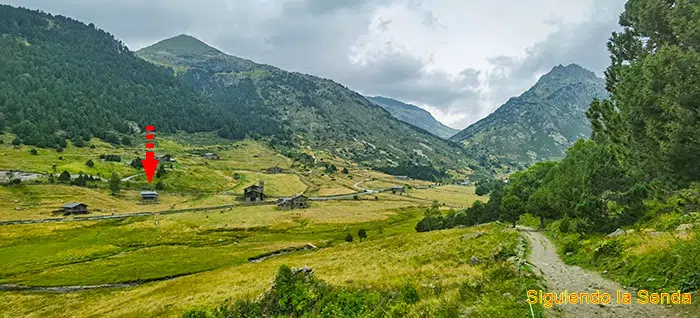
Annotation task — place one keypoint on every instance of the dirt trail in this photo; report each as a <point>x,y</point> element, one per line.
<point>561,277</point>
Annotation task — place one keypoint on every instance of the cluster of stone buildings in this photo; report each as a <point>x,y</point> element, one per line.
<point>256,193</point>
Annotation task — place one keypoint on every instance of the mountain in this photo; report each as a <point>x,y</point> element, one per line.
<point>541,123</point>
<point>62,79</point>
<point>414,115</point>
<point>317,112</point>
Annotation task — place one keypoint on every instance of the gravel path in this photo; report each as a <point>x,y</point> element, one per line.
<point>561,277</point>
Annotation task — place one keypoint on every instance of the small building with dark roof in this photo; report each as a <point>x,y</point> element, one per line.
<point>74,208</point>
<point>255,193</point>
<point>298,201</point>
<point>149,196</point>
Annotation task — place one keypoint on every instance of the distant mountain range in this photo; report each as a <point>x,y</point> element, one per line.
<point>541,123</point>
<point>413,115</point>
<point>64,80</point>
<point>315,112</point>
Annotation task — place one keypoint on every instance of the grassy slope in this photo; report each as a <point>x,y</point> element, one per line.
<point>216,244</point>
<point>387,259</point>
<point>191,182</point>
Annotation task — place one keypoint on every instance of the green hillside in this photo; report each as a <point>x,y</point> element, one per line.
<point>318,112</point>
<point>541,123</point>
<point>414,115</point>
<point>62,79</point>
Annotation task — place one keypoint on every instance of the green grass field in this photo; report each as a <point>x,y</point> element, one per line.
<point>452,195</point>
<point>111,252</point>
<point>211,248</point>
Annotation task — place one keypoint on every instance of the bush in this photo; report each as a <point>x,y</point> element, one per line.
<point>348,238</point>
<point>33,152</point>
<point>195,313</point>
<point>607,248</point>
<point>409,294</point>
<point>78,143</point>
<point>16,141</point>
<point>362,234</point>
<point>64,177</point>
<point>90,163</point>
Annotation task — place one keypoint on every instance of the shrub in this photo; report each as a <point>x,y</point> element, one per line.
<point>90,163</point>
<point>195,313</point>
<point>33,152</point>
<point>78,142</point>
<point>348,238</point>
<point>409,294</point>
<point>362,234</point>
<point>607,248</point>
<point>16,141</point>
<point>64,177</point>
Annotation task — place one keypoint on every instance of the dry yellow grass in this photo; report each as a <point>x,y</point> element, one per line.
<point>38,201</point>
<point>439,257</point>
<point>453,195</point>
<point>281,184</point>
<point>335,191</point>
<point>325,212</point>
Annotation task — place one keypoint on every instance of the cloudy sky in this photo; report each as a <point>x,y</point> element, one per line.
<point>459,59</point>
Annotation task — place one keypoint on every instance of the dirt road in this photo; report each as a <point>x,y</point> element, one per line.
<point>561,277</point>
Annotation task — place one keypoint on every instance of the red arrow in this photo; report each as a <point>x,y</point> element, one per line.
<point>149,165</point>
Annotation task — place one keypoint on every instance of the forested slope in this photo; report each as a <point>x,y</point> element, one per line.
<point>63,79</point>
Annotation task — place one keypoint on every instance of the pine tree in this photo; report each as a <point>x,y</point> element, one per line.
<point>115,183</point>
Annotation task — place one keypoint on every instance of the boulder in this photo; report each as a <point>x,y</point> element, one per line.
<point>475,260</point>
<point>472,235</point>
<point>617,232</point>
<point>684,227</point>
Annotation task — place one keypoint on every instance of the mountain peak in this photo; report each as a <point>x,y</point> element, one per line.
<point>413,115</point>
<point>182,43</point>
<point>572,70</point>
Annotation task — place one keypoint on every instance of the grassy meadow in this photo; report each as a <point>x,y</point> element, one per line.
<point>208,251</point>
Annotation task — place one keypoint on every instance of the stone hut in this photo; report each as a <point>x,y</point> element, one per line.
<point>74,208</point>
<point>149,196</point>
<point>298,201</point>
<point>255,193</point>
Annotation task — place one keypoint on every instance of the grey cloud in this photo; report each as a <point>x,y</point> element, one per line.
<point>316,36</point>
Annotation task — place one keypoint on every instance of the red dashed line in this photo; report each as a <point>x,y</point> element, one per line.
<point>150,128</point>
<point>150,137</point>
<point>150,145</point>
